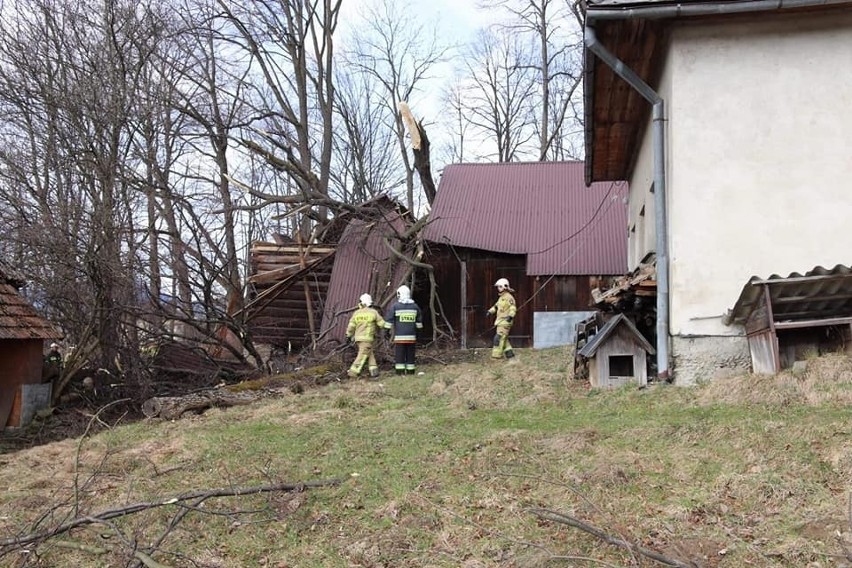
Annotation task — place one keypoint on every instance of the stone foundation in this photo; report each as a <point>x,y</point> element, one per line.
<point>699,359</point>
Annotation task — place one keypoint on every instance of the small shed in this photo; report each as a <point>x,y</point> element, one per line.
<point>22,336</point>
<point>788,318</point>
<point>616,354</point>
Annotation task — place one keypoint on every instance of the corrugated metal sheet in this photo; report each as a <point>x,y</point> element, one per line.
<point>18,319</point>
<point>541,209</point>
<point>817,294</point>
<point>363,263</point>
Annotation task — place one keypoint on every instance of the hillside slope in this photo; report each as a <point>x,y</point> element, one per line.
<point>455,467</point>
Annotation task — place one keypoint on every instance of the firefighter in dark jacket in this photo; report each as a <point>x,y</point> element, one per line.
<point>363,327</point>
<point>52,368</point>
<point>405,318</point>
<point>505,310</point>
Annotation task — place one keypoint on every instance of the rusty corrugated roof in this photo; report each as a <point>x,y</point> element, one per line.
<point>817,294</point>
<point>541,209</point>
<point>18,319</point>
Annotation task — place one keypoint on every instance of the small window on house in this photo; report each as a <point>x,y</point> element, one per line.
<point>620,365</point>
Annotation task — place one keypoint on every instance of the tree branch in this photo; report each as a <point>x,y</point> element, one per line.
<point>609,539</point>
<point>198,496</point>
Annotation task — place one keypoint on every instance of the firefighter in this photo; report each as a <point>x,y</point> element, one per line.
<point>52,368</point>
<point>405,319</point>
<point>505,310</point>
<point>363,326</point>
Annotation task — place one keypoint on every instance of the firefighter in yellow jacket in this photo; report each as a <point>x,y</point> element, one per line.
<point>505,310</point>
<point>363,328</point>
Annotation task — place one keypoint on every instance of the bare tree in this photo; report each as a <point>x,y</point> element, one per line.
<point>68,78</point>
<point>555,56</point>
<point>367,159</point>
<point>290,41</point>
<point>496,93</point>
<point>395,50</point>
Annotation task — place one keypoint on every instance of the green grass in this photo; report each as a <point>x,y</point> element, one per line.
<point>442,470</point>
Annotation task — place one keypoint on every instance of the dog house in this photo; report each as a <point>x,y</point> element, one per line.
<point>616,354</point>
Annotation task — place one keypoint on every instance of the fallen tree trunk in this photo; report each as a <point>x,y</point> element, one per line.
<point>172,407</point>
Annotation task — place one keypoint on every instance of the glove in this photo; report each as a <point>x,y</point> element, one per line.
<point>509,319</point>
<point>487,313</point>
<point>348,341</point>
<point>387,334</point>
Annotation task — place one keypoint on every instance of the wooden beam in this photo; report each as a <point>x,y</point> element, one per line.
<point>812,323</point>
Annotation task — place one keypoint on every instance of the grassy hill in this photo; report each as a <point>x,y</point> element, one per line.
<point>474,464</point>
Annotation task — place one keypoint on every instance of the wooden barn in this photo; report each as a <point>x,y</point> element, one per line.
<point>616,354</point>
<point>22,336</point>
<point>536,224</point>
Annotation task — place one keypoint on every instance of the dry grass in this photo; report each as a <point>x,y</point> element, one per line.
<point>441,470</point>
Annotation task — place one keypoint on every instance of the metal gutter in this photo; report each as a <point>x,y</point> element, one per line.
<point>658,12</point>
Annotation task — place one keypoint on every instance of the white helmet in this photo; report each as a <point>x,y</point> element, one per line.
<point>502,283</point>
<point>403,293</point>
<point>366,299</point>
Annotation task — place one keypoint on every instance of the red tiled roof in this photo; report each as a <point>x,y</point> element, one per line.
<point>18,319</point>
<point>541,209</point>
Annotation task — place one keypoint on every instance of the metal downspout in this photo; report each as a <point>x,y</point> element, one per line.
<point>661,225</point>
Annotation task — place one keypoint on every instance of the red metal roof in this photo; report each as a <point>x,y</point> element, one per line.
<point>362,263</point>
<point>541,209</point>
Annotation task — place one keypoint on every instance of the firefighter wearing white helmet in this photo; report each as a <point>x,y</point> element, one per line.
<point>362,329</point>
<point>405,318</point>
<point>505,310</point>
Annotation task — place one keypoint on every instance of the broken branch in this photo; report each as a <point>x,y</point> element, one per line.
<point>200,496</point>
<point>609,539</point>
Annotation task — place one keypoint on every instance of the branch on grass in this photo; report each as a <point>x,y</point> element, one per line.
<point>137,507</point>
<point>609,539</point>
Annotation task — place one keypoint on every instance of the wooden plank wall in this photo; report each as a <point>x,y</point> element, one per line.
<point>282,318</point>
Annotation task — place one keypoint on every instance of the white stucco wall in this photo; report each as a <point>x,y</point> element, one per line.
<point>759,159</point>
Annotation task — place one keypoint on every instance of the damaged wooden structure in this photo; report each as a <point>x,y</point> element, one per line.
<point>301,295</point>
<point>288,286</point>
<point>794,317</point>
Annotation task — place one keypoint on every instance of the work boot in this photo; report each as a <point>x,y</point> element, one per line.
<point>509,354</point>
<point>374,373</point>
<point>409,371</point>
<point>352,374</point>
<point>400,371</point>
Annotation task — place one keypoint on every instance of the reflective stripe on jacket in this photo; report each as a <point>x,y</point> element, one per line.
<point>504,307</point>
<point>406,319</point>
<point>364,323</point>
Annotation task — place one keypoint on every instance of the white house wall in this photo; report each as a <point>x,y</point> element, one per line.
<point>758,157</point>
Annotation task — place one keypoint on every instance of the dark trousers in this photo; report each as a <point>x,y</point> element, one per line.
<point>404,358</point>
